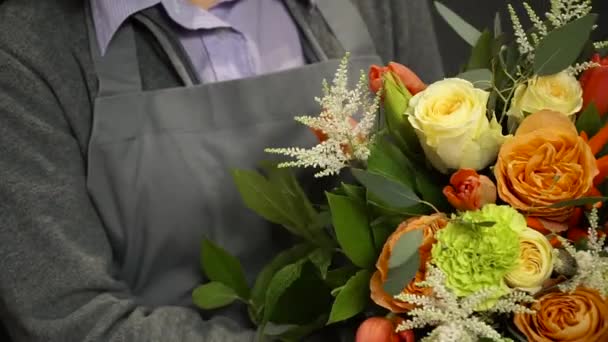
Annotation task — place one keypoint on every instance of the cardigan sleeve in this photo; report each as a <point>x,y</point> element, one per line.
<point>414,38</point>
<point>57,280</point>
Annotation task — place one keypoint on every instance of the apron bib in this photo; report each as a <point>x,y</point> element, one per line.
<point>159,161</point>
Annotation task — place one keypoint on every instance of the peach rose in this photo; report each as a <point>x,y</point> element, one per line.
<point>546,162</point>
<point>566,317</point>
<point>469,191</point>
<point>429,225</point>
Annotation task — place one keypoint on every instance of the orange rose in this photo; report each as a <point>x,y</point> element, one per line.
<point>429,225</point>
<point>469,190</point>
<point>566,317</point>
<point>409,79</point>
<point>546,162</point>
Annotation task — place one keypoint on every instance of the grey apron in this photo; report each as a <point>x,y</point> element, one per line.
<point>159,161</point>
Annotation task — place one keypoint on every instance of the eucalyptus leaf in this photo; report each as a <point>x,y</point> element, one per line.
<point>562,46</point>
<point>352,229</point>
<point>213,295</point>
<point>404,262</point>
<point>465,30</point>
<point>352,299</point>
<point>589,120</point>
<point>380,208</point>
<point>481,78</point>
<point>220,266</point>
<point>578,202</point>
<point>389,191</point>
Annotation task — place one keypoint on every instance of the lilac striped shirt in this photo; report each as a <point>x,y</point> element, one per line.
<point>233,39</point>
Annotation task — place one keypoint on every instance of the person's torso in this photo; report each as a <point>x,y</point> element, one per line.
<point>160,161</point>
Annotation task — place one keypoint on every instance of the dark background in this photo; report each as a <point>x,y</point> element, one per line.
<point>481,13</point>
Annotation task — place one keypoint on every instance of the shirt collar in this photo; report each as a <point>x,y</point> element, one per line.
<point>108,15</point>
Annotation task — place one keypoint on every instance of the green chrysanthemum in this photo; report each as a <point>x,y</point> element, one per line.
<point>477,256</point>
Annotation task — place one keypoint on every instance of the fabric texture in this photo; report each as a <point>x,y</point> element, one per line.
<point>59,278</point>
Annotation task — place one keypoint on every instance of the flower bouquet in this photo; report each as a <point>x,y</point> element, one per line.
<point>467,210</point>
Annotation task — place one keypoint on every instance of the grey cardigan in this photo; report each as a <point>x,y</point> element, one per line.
<point>57,275</point>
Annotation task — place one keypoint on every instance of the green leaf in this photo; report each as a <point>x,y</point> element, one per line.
<point>562,46</point>
<point>589,120</point>
<point>481,78</point>
<point>280,199</point>
<point>290,256</point>
<point>382,228</point>
<point>293,332</point>
<point>380,208</point>
<point>429,186</point>
<point>473,224</point>
<point>301,210</point>
<point>339,276</point>
<point>279,284</point>
<point>260,196</point>
<point>322,259</point>
<point>352,229</point>
<point>396,102</point>
<point>213,295</point>
<point>465,30</point>
<point>578,202</point>
<point>352,299</point>
<point>481,55</point>
<point>392,193</point>
<point>289,299</point>
<point>387,160</point>
<point>354,191</point>
<point>220,266</point>
<point>404,262</point>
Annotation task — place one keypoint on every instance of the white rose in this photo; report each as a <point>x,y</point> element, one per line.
<point>560,92</point>
<point>451,123</point>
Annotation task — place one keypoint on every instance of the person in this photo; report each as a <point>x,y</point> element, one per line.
<point>119,124</point>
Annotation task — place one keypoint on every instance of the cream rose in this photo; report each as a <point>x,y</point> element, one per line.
<point>560,92</point>
<point>451,123</point>
<point>535,262</point>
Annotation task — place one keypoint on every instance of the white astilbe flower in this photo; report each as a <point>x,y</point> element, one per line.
<point>601,45</point>
<point>565,11</point>
<point>561,13</point>
<point>591,267</point>
<point>520,34</point>
<point>580,67</point>
<point>458,318</point>
<point>346,140</point>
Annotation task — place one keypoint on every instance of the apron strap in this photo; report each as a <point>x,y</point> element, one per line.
<point>347,25</point>
<point>177,62</point>
<point>117,70</point>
